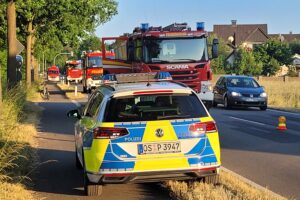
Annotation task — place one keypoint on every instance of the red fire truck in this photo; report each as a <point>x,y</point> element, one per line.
<point>93,69</point>
<point>53,73</point>
<point>74,70</point>
<point>175,49</point>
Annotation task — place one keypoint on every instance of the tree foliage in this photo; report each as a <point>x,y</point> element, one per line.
<point>273,54</point>
<point>245,63</point>
<point>218,64</point>
<point>295,47</point>
<point>90,42</point>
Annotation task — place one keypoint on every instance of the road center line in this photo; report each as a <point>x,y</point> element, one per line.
<point>253,122</point>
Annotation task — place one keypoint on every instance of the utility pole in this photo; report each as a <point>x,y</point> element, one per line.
<point>12,44</point>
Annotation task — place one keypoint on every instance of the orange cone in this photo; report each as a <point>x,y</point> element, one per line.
<point>281,124</point>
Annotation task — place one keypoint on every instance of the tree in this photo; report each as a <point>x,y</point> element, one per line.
<point>295,47</point>
<point>218,64</point>
<point>245,63</point>
<point>272,55</point>
<point>11,42</point>
<point>91,42</point>
<point>66,21</point>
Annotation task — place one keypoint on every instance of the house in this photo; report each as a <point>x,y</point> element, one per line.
<point>296,62</point>
<point>246,35</point>
<point>286,37</point>
<point>241,35</point>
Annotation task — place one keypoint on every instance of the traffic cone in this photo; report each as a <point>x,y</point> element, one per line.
<point>281,124</point>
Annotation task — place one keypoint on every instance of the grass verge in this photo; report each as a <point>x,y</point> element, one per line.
<point>230,188</point>
<point>18,156</point>
<point>283,94</point>
<point>70,91</point>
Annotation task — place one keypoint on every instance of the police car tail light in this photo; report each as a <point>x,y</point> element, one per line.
<point>202,128</point>
<point>109,133</point>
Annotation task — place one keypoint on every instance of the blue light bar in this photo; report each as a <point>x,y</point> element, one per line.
<point>162,76</point>
<point>144,27</point>
<point>200,26</point>
<point>109,78</point>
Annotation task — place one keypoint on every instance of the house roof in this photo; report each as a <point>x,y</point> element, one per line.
<point>242,32</point>
<point>286,37</point>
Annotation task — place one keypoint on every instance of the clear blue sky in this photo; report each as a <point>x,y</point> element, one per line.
<point>282,16</point>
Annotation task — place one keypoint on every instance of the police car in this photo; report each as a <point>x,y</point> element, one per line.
<point>145,128</point>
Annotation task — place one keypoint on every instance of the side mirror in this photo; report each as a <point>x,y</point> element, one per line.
<point>74,114</point>
<point>215,48</point>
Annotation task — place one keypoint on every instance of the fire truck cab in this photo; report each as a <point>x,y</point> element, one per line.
<point>74,70</point>
<point>53,73</point>
<point>175,49</point>
<point>93,69</point>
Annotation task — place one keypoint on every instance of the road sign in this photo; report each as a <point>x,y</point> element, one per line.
<point>20,47</point>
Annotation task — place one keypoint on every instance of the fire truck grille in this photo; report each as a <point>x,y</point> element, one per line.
<point>189,78</point>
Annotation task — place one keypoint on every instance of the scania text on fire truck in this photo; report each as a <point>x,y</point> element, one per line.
<point>175,49</point>
<point>74,70</point>
<point>93,69</point>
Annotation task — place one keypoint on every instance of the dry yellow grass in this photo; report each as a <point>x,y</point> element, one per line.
<point>230,188</point>
<point>282,94</point>
<point>18,156</point>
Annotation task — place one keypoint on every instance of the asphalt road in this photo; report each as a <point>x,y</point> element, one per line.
<point>252,147</point>
<point>57,177</point>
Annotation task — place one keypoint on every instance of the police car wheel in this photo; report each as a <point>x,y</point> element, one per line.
<point>211,179</point>
<point>91,189</point>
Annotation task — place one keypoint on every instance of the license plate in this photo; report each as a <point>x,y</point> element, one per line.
<point>159,148</point>
<point>250,99</point>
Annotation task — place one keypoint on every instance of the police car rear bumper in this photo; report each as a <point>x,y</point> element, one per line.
<point>157,176</point>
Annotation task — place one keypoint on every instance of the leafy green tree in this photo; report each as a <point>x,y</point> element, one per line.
<point>245,63</point>
<point>60,20</point>
<point>272,55</point>
<point>90,42</point>
<point>295,47</point>
<point>218,65</point>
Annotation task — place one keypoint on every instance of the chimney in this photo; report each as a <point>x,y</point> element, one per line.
<point>233,22</point>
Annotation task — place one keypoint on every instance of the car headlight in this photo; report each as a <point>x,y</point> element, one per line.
<point>263,94</point>
<point>235,94</point>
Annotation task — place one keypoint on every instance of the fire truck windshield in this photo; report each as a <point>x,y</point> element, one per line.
<point>75,66</point>
<point>175,50</point>
<point>94,61</point>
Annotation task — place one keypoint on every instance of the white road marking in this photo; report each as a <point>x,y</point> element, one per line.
<point>253,122</point>
<point>279,111</point>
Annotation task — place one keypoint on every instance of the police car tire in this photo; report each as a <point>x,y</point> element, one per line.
<point>214,179</point>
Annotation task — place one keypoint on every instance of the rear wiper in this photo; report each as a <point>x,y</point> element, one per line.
<point>173,117</point>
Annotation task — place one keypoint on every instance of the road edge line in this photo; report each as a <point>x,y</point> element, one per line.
<point>248,181</point>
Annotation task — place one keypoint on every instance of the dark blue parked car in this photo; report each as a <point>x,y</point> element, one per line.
<point>232,90</point>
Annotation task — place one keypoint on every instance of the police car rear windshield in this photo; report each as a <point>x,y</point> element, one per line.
<point>154,107</point>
